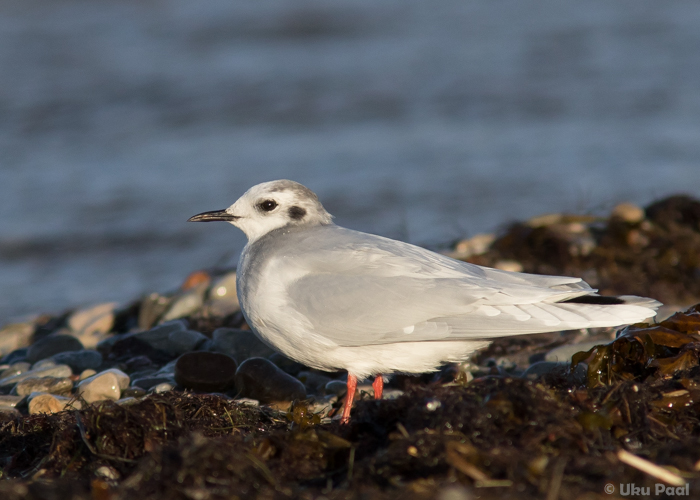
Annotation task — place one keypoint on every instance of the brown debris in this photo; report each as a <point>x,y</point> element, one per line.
<point>654,257</point>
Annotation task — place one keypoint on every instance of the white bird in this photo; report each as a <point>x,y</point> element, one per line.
<point>332,298</point>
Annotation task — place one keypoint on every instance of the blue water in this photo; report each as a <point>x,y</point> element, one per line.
<point>422,121</point>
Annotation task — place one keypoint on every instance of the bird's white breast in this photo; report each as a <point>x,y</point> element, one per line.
<point>263,294</point>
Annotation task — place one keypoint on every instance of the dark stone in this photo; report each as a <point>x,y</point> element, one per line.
<point>159,336</point>
<point>287,365</point>
<point>79,360</point>
<point>259,378</point>
<point>678,210</point>
<point>47,325</point>
<point>182,341</point>
<point>239,344</point>
<point>16,356</point>
<point>315,382</point>
<point>578,375</point>
<point>133,392</point>
<point>148,382</point>
<point>139,363</point>
<point>130,346</point>
<point>53,344</point>
<point>205,371</point>
<point>543,368</point>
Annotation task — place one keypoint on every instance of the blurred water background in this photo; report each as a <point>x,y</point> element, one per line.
<point>423,121</point>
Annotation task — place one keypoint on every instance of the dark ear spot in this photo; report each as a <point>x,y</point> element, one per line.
<point>296,213</point>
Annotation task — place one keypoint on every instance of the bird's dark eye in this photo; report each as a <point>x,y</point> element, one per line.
<point>267,205</point>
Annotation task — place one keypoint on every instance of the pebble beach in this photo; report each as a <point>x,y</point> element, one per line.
<point>181,374</point>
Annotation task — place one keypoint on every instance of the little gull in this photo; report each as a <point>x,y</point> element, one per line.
<point>332,298</point>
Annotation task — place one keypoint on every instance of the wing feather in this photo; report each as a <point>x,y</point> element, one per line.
<point>359,289</point>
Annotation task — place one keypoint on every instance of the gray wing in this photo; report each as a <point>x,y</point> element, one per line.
<point>359,289</point>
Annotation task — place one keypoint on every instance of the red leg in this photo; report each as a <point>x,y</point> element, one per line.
<point>378,385</point>
<point>352,387</point>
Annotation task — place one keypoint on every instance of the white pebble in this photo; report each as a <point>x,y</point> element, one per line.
<point>99,387</point>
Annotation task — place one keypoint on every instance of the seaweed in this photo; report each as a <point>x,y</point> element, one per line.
<point>497,436</point>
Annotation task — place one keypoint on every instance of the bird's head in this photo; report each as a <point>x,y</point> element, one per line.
<point>269,206</point>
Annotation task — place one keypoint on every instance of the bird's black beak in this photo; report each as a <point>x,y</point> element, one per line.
<point>214,215</point>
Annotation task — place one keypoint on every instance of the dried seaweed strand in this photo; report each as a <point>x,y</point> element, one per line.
<point>650,468</point>
<point>83,435</point>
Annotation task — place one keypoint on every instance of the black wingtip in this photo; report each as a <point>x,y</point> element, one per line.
<point>603,300</point>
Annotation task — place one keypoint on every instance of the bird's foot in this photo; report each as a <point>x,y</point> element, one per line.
<point>349,397</point>
<point>378,386</point>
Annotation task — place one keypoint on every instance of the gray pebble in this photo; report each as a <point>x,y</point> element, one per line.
<point>168,368</point>
<point>336,388</point>
<point>43,363</point>
<point>92,324</point>
<point>164,387</point>
<point>15,369</point>
<point>79,361</point>
<point>100,387</point>
<point>248,402</point>
<point>239,344</point>
<point>51,371</point>
<point>182,341</point>
<point>142,374</point>
<point>544,367</point>
<point>50,385</point>
<point>159,337</point>
<point>108,473</point>
<point>151,308</point>
<point>52,344</point>
<point>392,393</point>
<point>456,492</point>
<point>259,378</point>
<point>323,406</point>
<point>223,299</point>
<point>563,353</point>
<point>126,401</point>
<point>10,401</point>
<point>122,378</point>
<point>14,336</point>
<point>185,304</point>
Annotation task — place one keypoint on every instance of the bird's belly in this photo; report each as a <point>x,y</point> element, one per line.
<point>403,357</point>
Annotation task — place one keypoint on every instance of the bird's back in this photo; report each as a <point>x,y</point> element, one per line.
<point>351,288</point>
